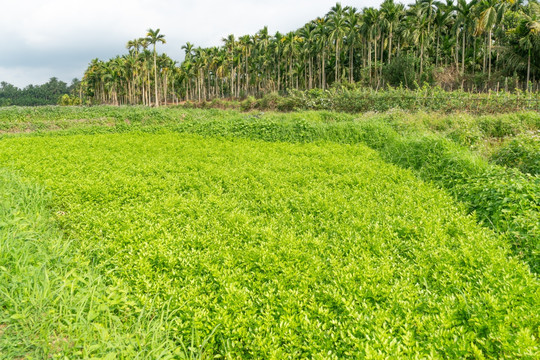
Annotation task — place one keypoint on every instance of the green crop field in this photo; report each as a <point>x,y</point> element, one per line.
<point>190,234</point>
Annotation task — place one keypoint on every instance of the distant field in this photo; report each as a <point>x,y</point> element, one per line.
<point>123,236</point>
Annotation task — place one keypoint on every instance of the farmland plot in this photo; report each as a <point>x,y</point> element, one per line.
<point>277,250</point>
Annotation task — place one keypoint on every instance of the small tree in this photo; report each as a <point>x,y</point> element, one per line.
<point>401,71</point>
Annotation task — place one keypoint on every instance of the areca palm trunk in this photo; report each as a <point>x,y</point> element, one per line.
<point>165,85</point>
<point>485,55</point>
<point>390,44</point>
<point>231,90</point>
<point>489,55</point>
<point>143,100</point>
<point>351,64</point>
<point>310,73</point>
<point>369,58</point>
<point>323,70</point>
<point>474,54</point>
<point>198,86</point>
<point>421,54</point>
<point>382,49</point>
<point>247,73</point>
<point>463,52</point>
<point>437,50</point>
<point>148,89</point>
<point>173,92</point>
<point>290,71</point>
<point>155,78</point>
<point>238,79</point>
<point>318,70</point>
<point>375,53</point>
<point>337,61</point>
<point>528,69</point>
<point>456,51</point>
<point>305,77</point>
<point>382,56</point>
<point>278,74</point>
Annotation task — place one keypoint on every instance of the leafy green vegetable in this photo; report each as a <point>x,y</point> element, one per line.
<point>280,250</point>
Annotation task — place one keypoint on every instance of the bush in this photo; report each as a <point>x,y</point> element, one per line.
<point>269,101</point>
<point>69,100</point>
<point>522,152</point>
<point>292,102</point>
<point>248,104</point>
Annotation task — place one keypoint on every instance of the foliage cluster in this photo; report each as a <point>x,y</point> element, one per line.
<point>504,199</point>
<point>272,249</point>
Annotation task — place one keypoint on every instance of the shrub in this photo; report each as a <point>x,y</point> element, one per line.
<point>248,104</point>
<point>269,101</point>
<point>69,100</point>
<point>521,152</point>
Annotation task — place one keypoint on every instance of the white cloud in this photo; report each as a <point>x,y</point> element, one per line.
<point>35,30</point>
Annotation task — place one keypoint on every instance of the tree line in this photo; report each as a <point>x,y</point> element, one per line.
<point>455,44</point>
<point>49,93</point>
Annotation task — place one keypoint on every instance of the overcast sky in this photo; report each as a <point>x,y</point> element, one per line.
<point>46,38</point>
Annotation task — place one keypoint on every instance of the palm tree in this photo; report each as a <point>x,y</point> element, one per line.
<point>153,37</point>
<point>278,52</point>
<point>391,12</point>
<point>307,33</point>
<point>134,46</point>
<point>464,19</point>
<point>353,24</point>
<point>337,27</point>
<point>145,80</point>
<point>230,46</point>
<point>419,22</point>
<point>528,34</point>
<point>440,21</point>
<point>322,41</point>
<point>491,13</point>
<point>262,44</point>
<point>290,48</point>
<point>368,28</point>
<point>245,43</point>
